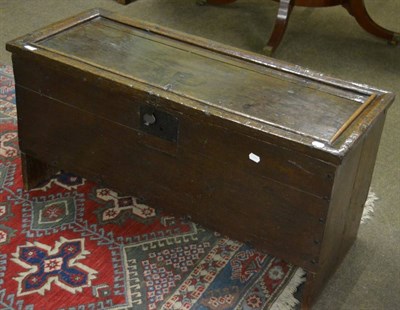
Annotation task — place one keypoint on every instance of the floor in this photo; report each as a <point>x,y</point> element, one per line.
<point>327,40</point>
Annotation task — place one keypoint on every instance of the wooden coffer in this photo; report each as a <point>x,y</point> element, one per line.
<point>266,152</point>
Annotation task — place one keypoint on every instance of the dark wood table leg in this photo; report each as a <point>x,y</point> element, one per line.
<point>282,19</point>
<point>358,10</point>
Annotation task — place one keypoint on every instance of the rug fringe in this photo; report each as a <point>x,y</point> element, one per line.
<point>369,207</point>
<point>287,301</point>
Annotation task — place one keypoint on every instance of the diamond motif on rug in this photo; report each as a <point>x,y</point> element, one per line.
<point>48,214</point>
<point>58,265</point>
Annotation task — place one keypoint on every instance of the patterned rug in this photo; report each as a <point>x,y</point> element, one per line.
<point>70,244</point>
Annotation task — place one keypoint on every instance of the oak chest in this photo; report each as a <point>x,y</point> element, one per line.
<point>263,151</point>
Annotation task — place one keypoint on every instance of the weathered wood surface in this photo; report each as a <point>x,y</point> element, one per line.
<point>190,73</point>
<point>204,135</point>
<point>280,70</point>
<point>79,109</point>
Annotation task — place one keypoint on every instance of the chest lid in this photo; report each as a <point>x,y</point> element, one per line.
<point>266,94</point>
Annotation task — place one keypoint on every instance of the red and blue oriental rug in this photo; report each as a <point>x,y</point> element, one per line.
<point>70,244</point>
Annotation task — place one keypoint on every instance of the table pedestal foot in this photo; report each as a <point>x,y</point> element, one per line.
<point>359,11</point>
<point>354,7</point>
<point>395,40</point>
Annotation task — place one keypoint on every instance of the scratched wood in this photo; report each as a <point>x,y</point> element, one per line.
<point>266,152</point>
<point>208,137</point>
<point>214,82</point>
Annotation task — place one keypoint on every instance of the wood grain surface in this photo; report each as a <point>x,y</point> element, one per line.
<point>228,86</point>
<point>265,152</point>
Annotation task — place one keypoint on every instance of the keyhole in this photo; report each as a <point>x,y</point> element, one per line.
<point>149,119</point>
